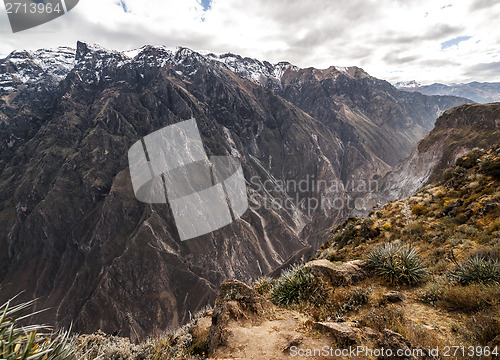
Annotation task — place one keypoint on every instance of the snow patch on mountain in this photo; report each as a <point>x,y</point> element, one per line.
<point>33,67</point>
<point>88,61</point>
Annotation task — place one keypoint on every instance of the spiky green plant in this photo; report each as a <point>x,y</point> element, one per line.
<point>30,342</point>
<point>297,286</point>
<point>399,264</point>
<point>478,270</point>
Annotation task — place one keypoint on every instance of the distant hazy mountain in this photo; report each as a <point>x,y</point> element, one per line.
<point>480,92</point>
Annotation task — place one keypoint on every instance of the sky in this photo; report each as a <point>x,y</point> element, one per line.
<point>448,41</point>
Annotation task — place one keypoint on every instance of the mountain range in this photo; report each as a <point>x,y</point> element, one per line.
<point>480,92</point>
<point>73,235</point>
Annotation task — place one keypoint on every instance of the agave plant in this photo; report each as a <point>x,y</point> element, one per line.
<point>397,264</point>
<point>297,286</point>
<point>478,270</point>
<point>30,342</point>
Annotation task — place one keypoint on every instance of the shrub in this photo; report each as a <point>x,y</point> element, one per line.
<point>390,317</point>
<point>478,270</point>
<point>397,264</point>
<point>419,210</point>
<point>481,328</point>
<point>461,219</point>
<point>298,286</point>
<point>432,293</point>
<point>30,342</point>
<point>387,227</point>
<point>470,160</point>
<point>495,226</point>
<point>264,285</point>
<point>469,298</point>
<point>488,254</point>
<point>198,347</point>
<point>491,167</point>
<point>350,300</point>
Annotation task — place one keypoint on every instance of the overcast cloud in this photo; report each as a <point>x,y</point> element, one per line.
<point>423,40</point>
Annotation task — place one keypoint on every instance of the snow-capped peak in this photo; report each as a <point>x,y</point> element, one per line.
<point>25,67</point>
<point>407,84</point>
<point>89,61</point>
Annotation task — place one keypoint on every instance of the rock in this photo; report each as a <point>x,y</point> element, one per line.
<point>292,340</point>
<point>393,341</point>
<point>394,296</point>
<point>235,301</point>
<point>336,274</point>
<point>369,333</point>
<point>343,333</point>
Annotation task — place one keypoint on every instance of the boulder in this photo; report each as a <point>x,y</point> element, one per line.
<point>336,274</point>
<point>393,341</point>
<point>292,340</point>
<point>344,333</point>
<point>234,301</point>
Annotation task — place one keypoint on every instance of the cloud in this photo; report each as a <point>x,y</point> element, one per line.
<point>391,39</point>
<point>484,71</point>
<point>482,4</point>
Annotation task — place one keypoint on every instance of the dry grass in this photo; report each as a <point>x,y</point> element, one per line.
<point>469,298</point>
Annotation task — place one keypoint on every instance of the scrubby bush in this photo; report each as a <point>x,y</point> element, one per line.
<point>495,226</point>
<point>419,210</point>
<point>470,160</point>
<point>387,227</point>
<point>264,285</point>
<point>386,317</point>
<point>350,300</point>
<point>469,298</point>
<point>31,342</point>
<point>477,270</point>
<point>297,286</point>
<point>433,292</point>
<point>487,253</point>
<point>481,328</point>
<point>491,167</point>
<point>461,219</point>
<point>398,264</point>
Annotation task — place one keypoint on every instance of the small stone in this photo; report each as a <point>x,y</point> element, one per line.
<point>394,296</point>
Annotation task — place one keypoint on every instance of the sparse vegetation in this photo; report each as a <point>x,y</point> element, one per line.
<point>454,274</point>
<point>469,298</point>
<point>481,328</point>
<point>433,292</point>
<point>347,300</point>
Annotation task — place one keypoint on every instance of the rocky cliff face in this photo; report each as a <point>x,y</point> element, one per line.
<point>71,231</point>
<point>457,131</point>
